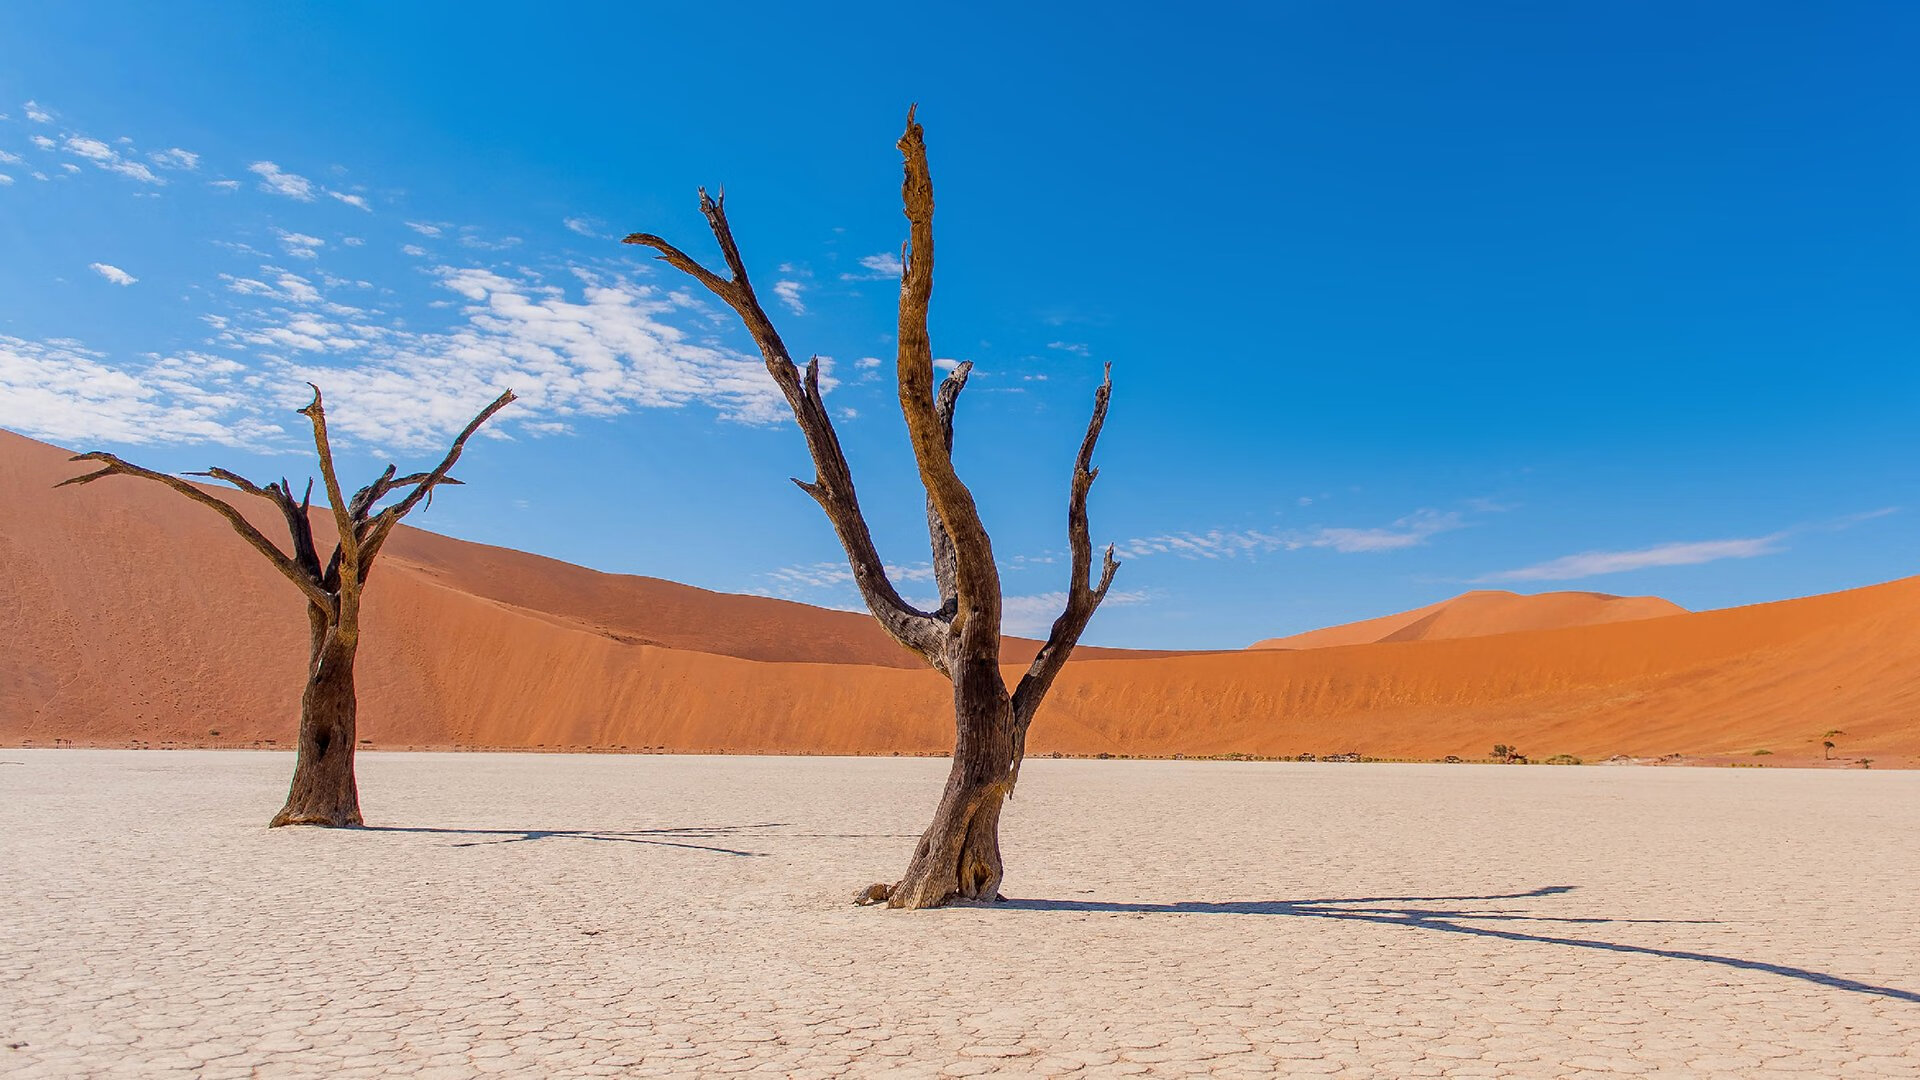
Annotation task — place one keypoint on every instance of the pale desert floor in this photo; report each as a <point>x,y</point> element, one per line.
<point>548,915</point>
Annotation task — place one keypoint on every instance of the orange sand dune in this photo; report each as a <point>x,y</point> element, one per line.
<point>650,611</point>
<point>1483,612</point>
<point>128,614</point>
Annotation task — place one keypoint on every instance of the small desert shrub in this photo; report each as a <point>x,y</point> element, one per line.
<point>1564,759</point>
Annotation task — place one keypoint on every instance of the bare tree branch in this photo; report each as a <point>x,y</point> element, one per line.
<point>943,572</point>
<point>293,572</point>
<point>832,487</point>
<point>299,524</point>
<point>976,578</point>
<point>687,264</point>
<point>423,484</point>
<point>1083,594</point>
<point>348,561</point>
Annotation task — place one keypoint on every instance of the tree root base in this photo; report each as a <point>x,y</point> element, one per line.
<point>879,894</point>
<point>325,821</point>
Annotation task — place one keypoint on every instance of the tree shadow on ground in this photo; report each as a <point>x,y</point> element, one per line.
<point>678,838</point>
<point>1394,911</point>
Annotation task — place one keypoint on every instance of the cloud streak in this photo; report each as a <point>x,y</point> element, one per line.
<point>789,294</point>
<point>1594,563</point>
<point>277,181</point>
<point>1412,530</point>
<point>1033,615</point>
<point>885,266</point>
<point>1684,553</point>
<point>112,273</point>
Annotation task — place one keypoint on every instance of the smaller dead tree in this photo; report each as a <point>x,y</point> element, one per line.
<point>958,857</point>
<point>323,790</point>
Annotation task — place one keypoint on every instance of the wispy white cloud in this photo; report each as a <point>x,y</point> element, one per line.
<point>300,245</point>
<point>175,158</point>
<point>356,201</point>
<point>586,226</point>
<point>1074,347</point>
<point>65,393</point>
<point>470,237</point>
<point>36,113</point>
<point>286,286</point>
<point>789,294</point>
<point>106,157</point>
<point>10,159</point>
<point>1594,563</point>
<point>1410,531</point>
<point>43,142</point>
<point>1030,616</point>
<point>867,363</point>
<point>600,349</point>
<point>601,352</point>
<point>790,582</point>
<point>112,273</point>
<point>424,228</point>
<point>90,148</point>
<point>278,181</point>
<point>224,185</point>
<point>885,266</point>
<point>1681,553</point>
<point>5,180</point>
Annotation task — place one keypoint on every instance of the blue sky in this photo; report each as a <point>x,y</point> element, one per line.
<point>1402,299</point>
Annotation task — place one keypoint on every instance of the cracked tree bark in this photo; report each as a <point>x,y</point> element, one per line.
<point>323,791</point>
<point>958,857</point>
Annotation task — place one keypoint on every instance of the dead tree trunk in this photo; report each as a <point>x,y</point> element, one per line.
<point>323,791</point>
<point>958,857</point>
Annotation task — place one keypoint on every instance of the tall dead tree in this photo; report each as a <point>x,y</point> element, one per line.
<point>959,854</point>
<point>323,790</point>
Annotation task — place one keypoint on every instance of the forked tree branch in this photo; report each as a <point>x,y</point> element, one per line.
<point>377,531</point>
<point>976,578</point>
<point>349,539</point>
<point>832,486</point>
<point>287,566</point>
<point>299,524</point>
<point>322,586</point>
<point>1083,593</point>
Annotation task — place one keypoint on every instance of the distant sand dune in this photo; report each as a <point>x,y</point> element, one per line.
<point>128,613</point>
<point>1481,613</point>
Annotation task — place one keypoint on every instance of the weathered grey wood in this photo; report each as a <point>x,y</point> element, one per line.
<point>323,791</point>
<point>958,857</point>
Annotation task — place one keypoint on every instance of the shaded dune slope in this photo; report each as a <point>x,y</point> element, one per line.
<point>127,613</point>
